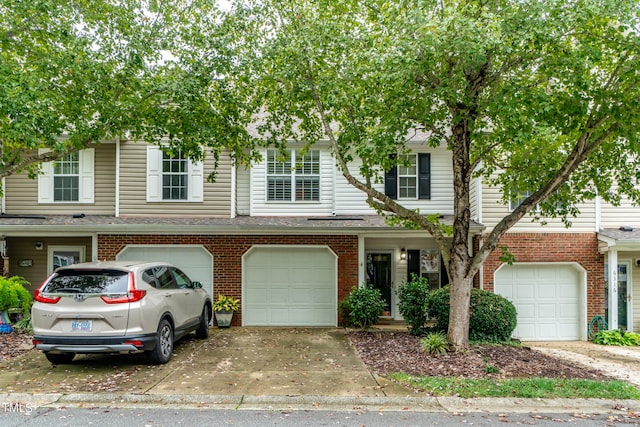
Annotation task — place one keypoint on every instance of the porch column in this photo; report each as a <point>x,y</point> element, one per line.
<point>362,262</point>
<point>612,280</point>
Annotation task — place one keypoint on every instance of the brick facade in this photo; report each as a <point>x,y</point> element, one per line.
<point>581,248</point>
<point>227,254</point>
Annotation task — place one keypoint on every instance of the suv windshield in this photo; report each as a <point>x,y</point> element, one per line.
<point>88,281</point>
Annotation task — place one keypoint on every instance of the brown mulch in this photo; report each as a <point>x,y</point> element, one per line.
<point>386,352</point>
<point>14,344</point>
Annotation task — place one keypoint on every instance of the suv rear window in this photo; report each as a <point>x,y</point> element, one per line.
<point>88,281</point>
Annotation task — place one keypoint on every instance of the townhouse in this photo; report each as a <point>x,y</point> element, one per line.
<point>290,237</point>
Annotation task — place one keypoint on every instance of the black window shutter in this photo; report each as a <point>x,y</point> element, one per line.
<point>391,183</point>
<point>424,176</point>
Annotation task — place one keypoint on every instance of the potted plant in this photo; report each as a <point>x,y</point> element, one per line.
<point>223,308</point>
<point>14,299</point>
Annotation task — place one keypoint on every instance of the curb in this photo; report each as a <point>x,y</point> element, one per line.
<point>320,403</point>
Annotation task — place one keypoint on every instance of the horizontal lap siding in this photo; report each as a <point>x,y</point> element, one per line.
<point>616,216</point>
<point>261,207</point>
<point>133,188</point>
<point>22,192</point>
<point>351,201</point>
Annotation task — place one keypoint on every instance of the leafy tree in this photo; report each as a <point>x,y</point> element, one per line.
<point>74,73</point>
<point>539,98</point>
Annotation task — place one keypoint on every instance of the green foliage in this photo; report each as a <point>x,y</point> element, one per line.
<point>616,337</point>
<point>24,324</point>
<point>434,343</point>
<point>493,317</point>
<point>225,303</point>
<point>362,308</point>
<point>413,297</point>
<point>13,294</point>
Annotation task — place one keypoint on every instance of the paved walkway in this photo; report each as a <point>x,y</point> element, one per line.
<point>251,368</point>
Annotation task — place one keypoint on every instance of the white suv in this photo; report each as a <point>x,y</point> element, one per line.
<point>117,307</point>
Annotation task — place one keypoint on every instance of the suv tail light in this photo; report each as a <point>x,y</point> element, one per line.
<point>132,295</point>
<point>37,295</point>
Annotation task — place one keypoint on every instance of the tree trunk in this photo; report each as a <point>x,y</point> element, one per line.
<point>459,313</point>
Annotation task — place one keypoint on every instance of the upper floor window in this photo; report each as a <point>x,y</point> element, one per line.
<point>173,178</point>
<point>66,178</point>
<point>411,179</point>
<point>286,182</point>
<point>518,199</point>
<point>69,179</point>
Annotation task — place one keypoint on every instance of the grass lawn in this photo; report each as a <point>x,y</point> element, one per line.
<point>520,387</point>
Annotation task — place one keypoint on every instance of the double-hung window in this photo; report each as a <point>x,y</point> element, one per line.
<point>411,179</point>
<point>175,177</point>
<point>68,179</point>
<point>293,177</point>
<point>172,177</point>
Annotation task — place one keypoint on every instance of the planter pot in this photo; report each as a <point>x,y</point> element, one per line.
<point>223,318</point>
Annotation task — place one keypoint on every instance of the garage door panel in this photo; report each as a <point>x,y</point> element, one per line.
<point>300,286</point>
<point>547,299</point>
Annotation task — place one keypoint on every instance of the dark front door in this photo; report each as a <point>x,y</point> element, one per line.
<point>379,276</point>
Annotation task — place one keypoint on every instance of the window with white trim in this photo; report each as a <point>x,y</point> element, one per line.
<point>287,183</point>
<point>410,179</point>
<point>68,179</point>
<point>173,178</point>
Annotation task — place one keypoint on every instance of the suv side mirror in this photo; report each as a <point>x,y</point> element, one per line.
<point>196,285</point>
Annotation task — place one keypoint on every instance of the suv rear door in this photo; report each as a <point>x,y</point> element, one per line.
<point>83,302</point>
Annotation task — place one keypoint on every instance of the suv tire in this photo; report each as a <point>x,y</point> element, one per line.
<point>203,328</point>
<point>60,358</point>
<point>164,344</point>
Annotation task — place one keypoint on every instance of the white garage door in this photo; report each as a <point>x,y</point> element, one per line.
<point>548,299</point>
<point>196,261</point>
<point>289,286</point>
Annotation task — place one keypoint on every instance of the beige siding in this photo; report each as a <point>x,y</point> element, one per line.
<point>133,188</point>
<point>23,248</point>
<point>22,191</point>
<point>616,216</point>
<point>493,210</point>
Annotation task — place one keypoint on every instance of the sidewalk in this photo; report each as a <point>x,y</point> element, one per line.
<point>250,368</point>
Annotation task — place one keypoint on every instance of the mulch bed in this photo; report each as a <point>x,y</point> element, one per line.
<point>385,352</point>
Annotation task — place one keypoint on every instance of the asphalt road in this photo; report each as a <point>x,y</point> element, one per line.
<point>118,417</point>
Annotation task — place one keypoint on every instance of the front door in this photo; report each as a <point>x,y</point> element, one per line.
<point>379,269</point>
<point>59,256</point>
<point>623,295</point>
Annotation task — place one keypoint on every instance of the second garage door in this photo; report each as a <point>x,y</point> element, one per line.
<point>548,298</point>
<point>289,286</point>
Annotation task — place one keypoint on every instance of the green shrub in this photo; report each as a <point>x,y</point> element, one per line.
<point>412,303</point>
<point>493,317</point>
<point>434,343</point>
<point>24,324</point>
<point>362,307</point>
<point>616,337</point>
<point>13,294</point>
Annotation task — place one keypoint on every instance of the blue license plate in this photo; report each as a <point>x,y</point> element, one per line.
<point>81,325</point>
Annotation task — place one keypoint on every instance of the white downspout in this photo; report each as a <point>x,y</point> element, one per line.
<point>117,206</point>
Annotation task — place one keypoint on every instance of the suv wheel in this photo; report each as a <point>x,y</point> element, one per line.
<point>203,328</point>
<point>164,344</point>
<point>60,358</point>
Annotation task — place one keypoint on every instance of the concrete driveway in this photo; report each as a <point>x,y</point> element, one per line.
<point>618,362</point>
<point>236,362</point>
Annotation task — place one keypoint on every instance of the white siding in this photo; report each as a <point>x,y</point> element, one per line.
<point>261,207</point>
<point>493,211</point>
<point>616,216</point>
<point>351,201</point>
<point>243,190</point>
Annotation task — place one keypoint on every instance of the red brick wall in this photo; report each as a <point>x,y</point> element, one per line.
<point>227,254</point>
<point>581,248</point>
